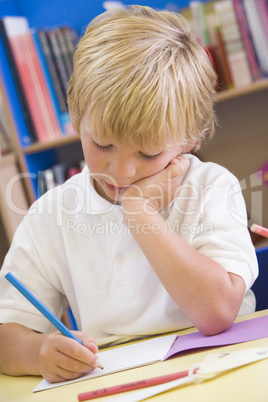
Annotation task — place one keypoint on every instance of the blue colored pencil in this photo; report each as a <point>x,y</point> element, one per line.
<point>40,306</point>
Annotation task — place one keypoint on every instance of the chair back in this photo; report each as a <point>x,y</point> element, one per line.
<point>260,286</point>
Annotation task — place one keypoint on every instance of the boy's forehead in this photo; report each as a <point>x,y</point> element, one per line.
<point>145,142</point>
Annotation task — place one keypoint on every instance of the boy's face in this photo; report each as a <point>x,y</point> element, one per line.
<point>115,167</point>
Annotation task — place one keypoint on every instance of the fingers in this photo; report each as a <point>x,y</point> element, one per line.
<point>62,358</point>
<point>178,166</point>
<point>75,360</point>
<point>88,341</point>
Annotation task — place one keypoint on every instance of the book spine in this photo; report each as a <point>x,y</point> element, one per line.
<point>5,141</point>
<point>200,23</point>
<point>14,92</point>
<point>227,77</point>
<point>11,100</point>
<point>46,102</point>
<point>247,39</point>
<point>47,78</point>
<point>65,54</point>
<point>25,68</point>
<point>71,39</point>
<point>263,16</point>
<point>56,51</point>
<point>235,52</point>
<point>258,36</point>
<point>50,62</point>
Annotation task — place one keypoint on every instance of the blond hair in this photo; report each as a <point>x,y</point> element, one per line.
<point>141,77</point>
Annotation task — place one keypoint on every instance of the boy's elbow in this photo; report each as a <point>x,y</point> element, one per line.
<point>218,320</point>
<point>215,327</point>
<point>221,314</point>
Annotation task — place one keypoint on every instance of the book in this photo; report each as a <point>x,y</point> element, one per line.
<point>262,9</point>
<point>50,63</point>
<point>226,81</point>
<point>258,34</point>
<point>19,51</point>
<point>200,23</point>
<point>123,358</point>
<point>247,39</point>
<point>52,80</point>
<point>34,84</point>
<point>64,46</point>
<point>56,175</point>
<point>5,140</point>
<point>234,47</point>
<point>13,89</point>
<point>32,78</point>
<point>162,348</point>
<point>59,60</point>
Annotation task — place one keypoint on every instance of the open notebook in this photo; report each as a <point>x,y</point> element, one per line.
<point>161,348</point>
<point>123,358</point>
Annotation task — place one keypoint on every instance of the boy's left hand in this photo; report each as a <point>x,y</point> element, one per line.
<point>156,192</point>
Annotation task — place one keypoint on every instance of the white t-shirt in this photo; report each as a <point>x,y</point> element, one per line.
<point>73,248</point>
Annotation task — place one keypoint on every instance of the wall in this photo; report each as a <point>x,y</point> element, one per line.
<point>77,13</point>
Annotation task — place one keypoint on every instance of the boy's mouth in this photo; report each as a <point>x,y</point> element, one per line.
<point>114,188</point>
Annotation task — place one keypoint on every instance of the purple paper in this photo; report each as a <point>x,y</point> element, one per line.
<point>243,331</point>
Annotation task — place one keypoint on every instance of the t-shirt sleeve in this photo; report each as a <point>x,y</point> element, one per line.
<point>222,232</point>
<point>30,264</point>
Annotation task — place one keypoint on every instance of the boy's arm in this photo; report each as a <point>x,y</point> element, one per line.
<point>209,295</point>
<point>54,356</point>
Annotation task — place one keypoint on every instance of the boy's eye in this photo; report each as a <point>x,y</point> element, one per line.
<point>103,147</point>
<point>146,156</point>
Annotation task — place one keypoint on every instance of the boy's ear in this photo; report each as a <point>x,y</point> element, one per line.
<point>188,147</point>
<point>71,116</point>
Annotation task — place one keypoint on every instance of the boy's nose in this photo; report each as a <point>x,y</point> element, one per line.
<point>122,168</point>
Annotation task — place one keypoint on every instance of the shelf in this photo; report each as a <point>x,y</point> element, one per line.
<point>236,92</point>
<point>43,146</point>
<point>6,159</point>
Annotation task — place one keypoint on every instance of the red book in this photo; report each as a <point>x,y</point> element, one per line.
<point>34,84</point>
<point>224,61</point>
<point>19,52</point>
<point>50,115</point>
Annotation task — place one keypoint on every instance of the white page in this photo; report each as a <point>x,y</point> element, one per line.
<point>123,358</point>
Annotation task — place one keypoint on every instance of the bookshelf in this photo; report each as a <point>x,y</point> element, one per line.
<point>246,90</point>
<point>240,142</point>
<point>13,201</point>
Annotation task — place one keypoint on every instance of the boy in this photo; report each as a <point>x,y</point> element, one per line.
<point>147,239</point>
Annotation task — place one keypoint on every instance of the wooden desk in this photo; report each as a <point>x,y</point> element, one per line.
<point>247,384</point>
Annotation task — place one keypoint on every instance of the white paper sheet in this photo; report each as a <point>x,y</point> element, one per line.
<point>123,358</point>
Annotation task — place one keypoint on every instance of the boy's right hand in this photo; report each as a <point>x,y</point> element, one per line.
<point>61,358</point>
<point>155,192</point>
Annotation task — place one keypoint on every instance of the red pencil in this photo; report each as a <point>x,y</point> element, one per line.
<point>117,389</point>
<point>259,230</point>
